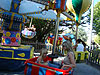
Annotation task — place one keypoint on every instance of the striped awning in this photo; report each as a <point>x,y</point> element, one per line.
<point>35,11</point>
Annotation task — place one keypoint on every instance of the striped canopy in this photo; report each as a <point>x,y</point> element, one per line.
<point>78,7</point>
<point>36,9</point>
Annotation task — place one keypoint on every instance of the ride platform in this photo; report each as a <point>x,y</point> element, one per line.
<point>13,58</point>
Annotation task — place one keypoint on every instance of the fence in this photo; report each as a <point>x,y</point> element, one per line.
<point>38,46</point>
<point>94,58</point>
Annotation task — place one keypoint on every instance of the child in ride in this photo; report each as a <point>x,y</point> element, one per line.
<point>43,58</point>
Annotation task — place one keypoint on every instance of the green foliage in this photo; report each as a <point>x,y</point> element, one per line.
<point>81,34</point>
<point>96,18</point>
<point>97,39</point>
<point>43,28</point>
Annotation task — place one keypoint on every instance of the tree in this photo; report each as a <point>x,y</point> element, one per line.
<point>43,28</point>
<point>96,18</point>
<point>97,39</point>
<point>81,34</point>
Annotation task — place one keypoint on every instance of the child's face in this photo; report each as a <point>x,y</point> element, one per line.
<point>45,54</point>
<point>65,48</point>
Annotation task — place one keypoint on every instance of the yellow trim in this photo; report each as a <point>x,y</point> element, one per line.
<point>68,19</point>
<point>21,54</point>
<point>31,52</point>
<point>8,51</point>
<point>13,58</point>
<point>20,26</point>
<point>12,17</point>
<point>3,40</point>
<point>2,23</point>
<point>15,5</point>
<point>24,18</point>
<point>31,55</point>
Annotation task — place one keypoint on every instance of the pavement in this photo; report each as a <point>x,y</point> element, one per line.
<point>12,73</point>
<point>84,69</point>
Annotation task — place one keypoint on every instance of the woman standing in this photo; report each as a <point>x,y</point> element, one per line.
<point>69,59</point>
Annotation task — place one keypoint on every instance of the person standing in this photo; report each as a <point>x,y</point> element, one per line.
<point>79,46</point>
<point>69,58</point>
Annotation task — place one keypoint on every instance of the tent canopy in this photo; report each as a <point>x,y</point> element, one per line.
<point>31,7</point>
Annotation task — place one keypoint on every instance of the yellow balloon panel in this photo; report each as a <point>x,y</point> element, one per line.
<point>78,7</point>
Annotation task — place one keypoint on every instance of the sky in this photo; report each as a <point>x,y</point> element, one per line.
<point>95,1</point>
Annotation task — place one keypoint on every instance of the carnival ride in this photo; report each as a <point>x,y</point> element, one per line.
<point>13,52</point>
<point>28,32</point>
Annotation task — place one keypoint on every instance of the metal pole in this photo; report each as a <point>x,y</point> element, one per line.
<point>31,22</point>
<point>91,23</point>
<point>56,32</point>
<point>76,30</point>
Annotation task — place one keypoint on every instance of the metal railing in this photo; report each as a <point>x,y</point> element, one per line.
<point>38,46</point>
<point>94,58</point>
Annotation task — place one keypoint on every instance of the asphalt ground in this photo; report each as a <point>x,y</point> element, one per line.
<point>84,69</point>
<point>12,73</point>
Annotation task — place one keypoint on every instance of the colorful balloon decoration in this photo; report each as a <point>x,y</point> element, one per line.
<point>78,7</point>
